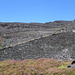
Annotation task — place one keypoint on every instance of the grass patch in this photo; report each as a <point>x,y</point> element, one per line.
<point>2,64</point>
<point>41,66</point>
<point>32,62</point>
<point>62,66</point>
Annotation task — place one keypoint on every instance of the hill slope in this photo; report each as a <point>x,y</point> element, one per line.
<point>38,40</point>
<point>60,46</point>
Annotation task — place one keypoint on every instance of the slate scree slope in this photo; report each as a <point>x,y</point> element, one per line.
<point>20,41</point>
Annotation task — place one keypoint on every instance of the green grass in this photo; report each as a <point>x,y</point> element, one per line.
<point>32,62</point>
<point>2,64</point>
<point>62,66</point>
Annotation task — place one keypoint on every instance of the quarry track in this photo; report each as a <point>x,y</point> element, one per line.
<point>13,45</point>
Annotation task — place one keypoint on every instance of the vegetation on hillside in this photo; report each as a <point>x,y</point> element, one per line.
<point>41,66</point>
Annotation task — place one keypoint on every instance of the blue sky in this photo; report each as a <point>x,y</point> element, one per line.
<point>36,10</point>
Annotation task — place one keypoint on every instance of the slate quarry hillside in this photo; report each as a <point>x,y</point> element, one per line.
<point>60,46</point>
<point>37,40</point>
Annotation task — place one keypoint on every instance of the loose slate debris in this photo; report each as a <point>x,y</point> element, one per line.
<point>14,35</point>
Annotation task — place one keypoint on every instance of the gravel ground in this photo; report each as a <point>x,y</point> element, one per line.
<point>58,46</point>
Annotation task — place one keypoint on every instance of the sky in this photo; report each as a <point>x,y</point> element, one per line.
<point>40,11</point>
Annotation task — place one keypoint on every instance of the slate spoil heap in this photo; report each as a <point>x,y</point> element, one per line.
<point>37,40</point>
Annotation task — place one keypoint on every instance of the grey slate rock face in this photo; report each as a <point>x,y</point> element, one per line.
<point>72,65</point>
<point>73,62</point>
